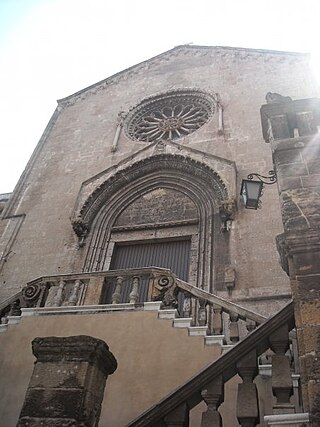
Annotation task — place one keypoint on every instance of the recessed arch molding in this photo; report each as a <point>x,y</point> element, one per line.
<point>196,180</point>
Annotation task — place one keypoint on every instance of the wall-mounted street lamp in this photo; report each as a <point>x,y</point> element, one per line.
<point>251,190</point>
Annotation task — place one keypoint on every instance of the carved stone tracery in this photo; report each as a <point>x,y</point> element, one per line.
<point>170,116</point>
<point>153,165</point>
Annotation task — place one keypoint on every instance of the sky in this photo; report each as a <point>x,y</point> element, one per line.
<point>50,49</point>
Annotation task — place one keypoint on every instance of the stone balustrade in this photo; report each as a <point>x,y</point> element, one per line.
<point>222,320</point>
<point>208,386</point>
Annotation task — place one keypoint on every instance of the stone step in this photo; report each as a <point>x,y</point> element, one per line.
<point>167,314</point>
<point>198,331</point>
<point>182,322</point>
<point>226,347</point>
<point>214,339</point>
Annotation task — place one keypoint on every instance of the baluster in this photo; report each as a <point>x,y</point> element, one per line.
<point>282,386</point>
<point>15,309</point>
<point>213,396</point>
<point>75,293</point>
<point>4,319</point>
<point>247,398</point>
<point>58,299</point>
<point>217,319</point>
<point>186,305</point>
<point>179,417</point>
<point>134,294</point>
<point>234,327</point>
<point>116,296</point>
<point>250,325</point>
<point>202,312</point>
<point>194,310</point>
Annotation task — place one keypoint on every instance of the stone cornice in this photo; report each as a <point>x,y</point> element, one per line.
<point>80,348</point>
<point>191,50</point>
<point>304,241</point>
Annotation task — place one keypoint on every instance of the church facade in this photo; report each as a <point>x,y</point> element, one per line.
<point>127,221</point>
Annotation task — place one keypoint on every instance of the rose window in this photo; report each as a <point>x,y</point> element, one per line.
<point>170,116</point>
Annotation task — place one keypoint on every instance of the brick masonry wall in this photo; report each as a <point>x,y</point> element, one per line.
<point>79,146</point>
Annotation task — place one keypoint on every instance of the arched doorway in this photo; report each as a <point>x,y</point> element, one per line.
<point>182,179</point>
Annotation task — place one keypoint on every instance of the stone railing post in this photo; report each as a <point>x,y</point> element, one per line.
<point>75,293</point>
<point>217,324</point>
<point>213,396</point>
<point>58,299</point>
<point>116,296</point>
<point>134,294</point>
<point>68,381</point>
<point>282,386</point>
<point>247,399</point>
<point>186,305</point>
<point>202,313</point>
<point>234,327</point>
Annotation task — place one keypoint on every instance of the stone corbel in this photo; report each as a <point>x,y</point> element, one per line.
<point>120,121</point>
<point>227,210</point>
<point>81,229</point>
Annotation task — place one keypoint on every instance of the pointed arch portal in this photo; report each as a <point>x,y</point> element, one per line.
<point>193,179</point>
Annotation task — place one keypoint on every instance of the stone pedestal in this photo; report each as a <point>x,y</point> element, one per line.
<point>67,383</point>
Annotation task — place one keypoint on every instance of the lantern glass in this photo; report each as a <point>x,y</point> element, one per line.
<point>251,192</point>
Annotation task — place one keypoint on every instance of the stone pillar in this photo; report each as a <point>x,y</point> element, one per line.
<point>296,154</point>
<point>67,383</point>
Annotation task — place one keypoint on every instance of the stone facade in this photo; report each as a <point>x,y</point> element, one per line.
<point>157,153</point>
<point>76,155</point>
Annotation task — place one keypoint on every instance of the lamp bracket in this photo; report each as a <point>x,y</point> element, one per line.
<point>269,180</point>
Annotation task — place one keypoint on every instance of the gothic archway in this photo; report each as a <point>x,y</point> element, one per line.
<point>193,179</point>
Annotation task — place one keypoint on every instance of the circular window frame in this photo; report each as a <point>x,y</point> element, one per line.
<point>169,116</point>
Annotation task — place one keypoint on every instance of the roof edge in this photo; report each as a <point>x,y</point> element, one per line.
<point>176,48</point>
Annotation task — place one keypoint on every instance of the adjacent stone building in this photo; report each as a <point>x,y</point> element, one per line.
<point>137,174</point>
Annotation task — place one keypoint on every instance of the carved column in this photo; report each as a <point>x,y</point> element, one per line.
<point>234,327</point>
<point>134,294</point>
<point>216,319</point>
<point>67,383</point>
<point>213,395</point>
<point>121,117</point>
<point>59,297</point>
<point>202,313</point>
<point>116,296</point>
<point>247,399</point>
<point>75,293</point>
<point>281,373</point>
<point>296,148</point>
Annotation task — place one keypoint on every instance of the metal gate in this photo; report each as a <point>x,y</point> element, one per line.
<point>172,254</point>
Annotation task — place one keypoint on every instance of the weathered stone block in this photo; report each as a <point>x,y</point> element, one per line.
<point>68,381</point>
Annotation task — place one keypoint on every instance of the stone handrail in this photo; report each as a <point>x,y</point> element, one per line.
<point>227,306</point>
<point>208,384</point>
<point>73,288</point>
